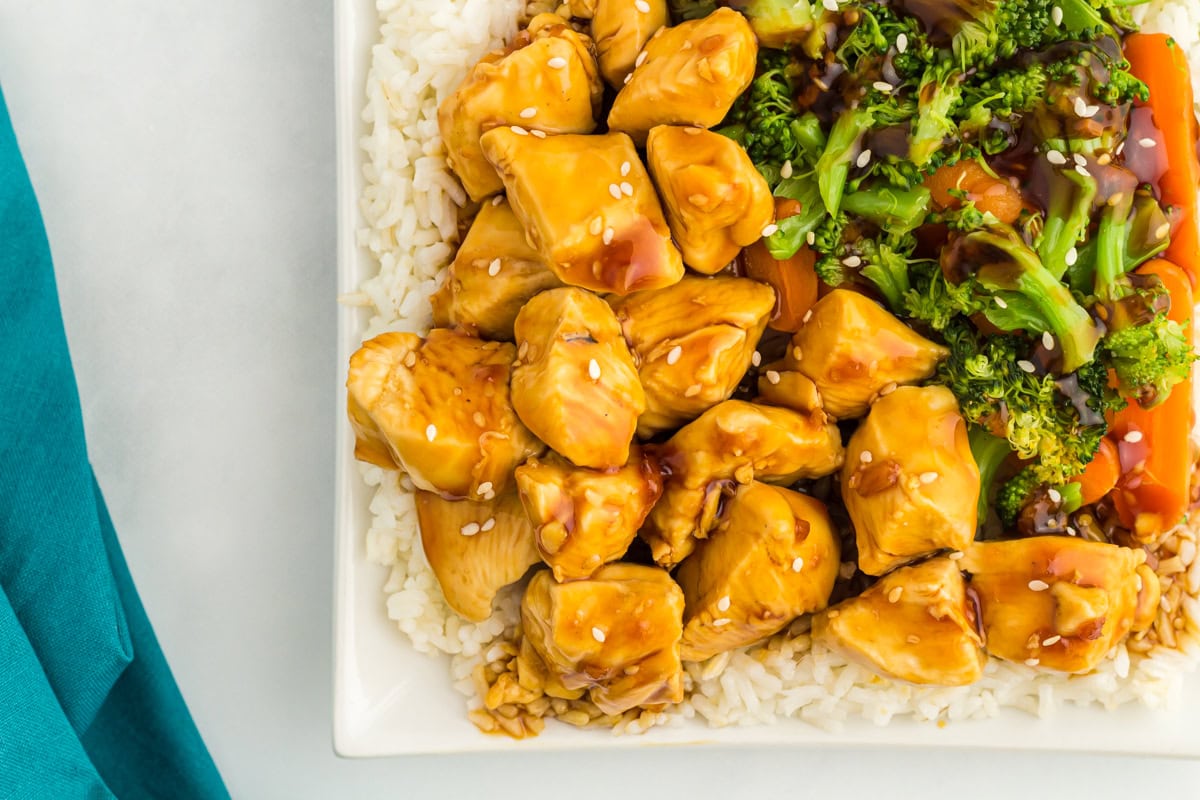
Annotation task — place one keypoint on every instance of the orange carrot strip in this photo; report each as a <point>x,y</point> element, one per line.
<point>1101,474</point>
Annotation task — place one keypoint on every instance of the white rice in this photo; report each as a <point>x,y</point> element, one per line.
<point>410,211</point>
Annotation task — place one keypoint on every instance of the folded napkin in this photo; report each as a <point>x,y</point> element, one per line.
<point>88,707</point>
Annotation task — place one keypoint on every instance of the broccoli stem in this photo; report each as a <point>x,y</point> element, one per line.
<point>939,94</point>
<point>989,452</point>
<point>893,210</point>
<point>1067,219</point>
<point>1111,236</point>
<point>833,167</point>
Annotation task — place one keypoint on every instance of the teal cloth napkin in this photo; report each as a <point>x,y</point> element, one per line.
<point>88,707</point>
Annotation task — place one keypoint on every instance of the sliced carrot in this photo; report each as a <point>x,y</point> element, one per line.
<point>1101,474</point>
<point>949,184</point>
<point>794,280</point>
<point>1153,492</point>
<point>1161,64</point>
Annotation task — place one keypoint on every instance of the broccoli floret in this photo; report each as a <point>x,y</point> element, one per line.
<point>765,120</point>
<point>1037,419</point>
<point>940,94</point>
<point>779,23</point>
<point>935,300</point>
<point>1026,295</point>
<point>1015,493</point>
<point>1149,359</point>
<point>1067,219</point>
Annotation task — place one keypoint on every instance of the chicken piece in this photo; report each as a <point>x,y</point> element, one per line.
<point>852,348</point>
<point>549,69</point>
<point>442,406</point>
<point>779,386</point>
<point>693,343</point>
<point>369,444</point>
<point>574,383</point>
<point>716,201</point>
<point>1058,601</point>
<point>582,9</point>
<point>475,549</point>
<point>732,443</point>
<point>621,29</point>
<point>585,518</point>
<point>615,634</point>
<point>772,557</point>
<point>494,273</point>
<point>914,624</point>
<point>588,207</point>
<point>689,75</point>
<point>910,483</point>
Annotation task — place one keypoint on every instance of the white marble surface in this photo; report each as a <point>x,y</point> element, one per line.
<point>183,155</point>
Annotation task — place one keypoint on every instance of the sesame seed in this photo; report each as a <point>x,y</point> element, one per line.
<point>786,170</point>
<point>519,131</point>
<point>1051,641</point>
<point>901,42</point>
<point>1071,257</point>
<point>594,370</point>
<point>488,525</point>
<point>797,353</point>
<point>498,199</point>
<point>852,261</point>
<point>1038,586</point>
<point>431,432</point>
<point>1120,148</point>
<point>1027,366</point>
<point>1082,109</point>
<point>1000,302</point>
<point>556,63</point>
<point>833,613</point>
<point>625,167</point>
<point>693,131</point>
<point>770,230</point>
<point>1056,16</point>
<point>883,86</point>
<point>955,556</point>
<point>1031,662</point>
<point>615,191</point>
<point>866,457</point>
<point>598,635</point>
<point>1048,340</point>
<point>928,477</point>
<point>830,5</point>
<point>537,134</point>
<point>1079,159</point>
<point>807,316</point>
<point>1071,531</point>
<point>692,390</point>
<point>1083,171</point>
<point>470,529</point>
<point>642,6</point>
<point>1054,495</point>
<point>674,354</point>
<point>1115,199</point>
<point>888,388</point>
<point>1103,160</point>
<point>756,358</point>
<point>528,113</point>
<point>609,233</point>
<point>1055,157</point>
<point>912,638</point>
<point>894,594</point>
<point>811,238</point>
<point>772,377</point>
<point>627,188</point>
<point>1147,142</point>
<point>1133,437</point>
<point>723,603</point>
<point>641,59</point>
<point>595,226</point>
<point>1162,231</point>
<point>485,487</point>
<point>797,564</point>
<point>627,79</point>
<point>720,623</point>
<point>1138,584</point>
<point>864,158</point>
<point>494,267</point>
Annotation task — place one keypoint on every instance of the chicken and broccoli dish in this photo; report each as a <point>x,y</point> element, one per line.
<point>866,321</point>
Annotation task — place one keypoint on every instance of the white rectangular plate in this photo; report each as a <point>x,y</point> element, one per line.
<point>391,700</point>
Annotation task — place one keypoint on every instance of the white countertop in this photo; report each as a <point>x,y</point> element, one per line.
<point>183,153</point>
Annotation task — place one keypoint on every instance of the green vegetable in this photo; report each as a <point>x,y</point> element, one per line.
<point>990,453</point>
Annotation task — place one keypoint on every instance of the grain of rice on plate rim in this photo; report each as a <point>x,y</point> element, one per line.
<point>410,214</point>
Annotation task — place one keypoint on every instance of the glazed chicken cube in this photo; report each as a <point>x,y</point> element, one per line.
<point>475,549</point>
<point>772,557</point>
<point>588,207</point>
<point>716,201</point>
<point>621,29</point>
<point>549,69</point>
<point>732,443</point>
<point>910,484</point>
<point>582,9</point>
<point>574,383</point>
<point>442,405</point>
<point>615,634</point>
<point>852,349</point>
<point>779,386</point>
<point>494,273</point>
<point>585,518</point>
<point>915,624</point>
<point>1058,601</point>
<point>689,75</point>
<point>369,444</point>
<point>693,343</point>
